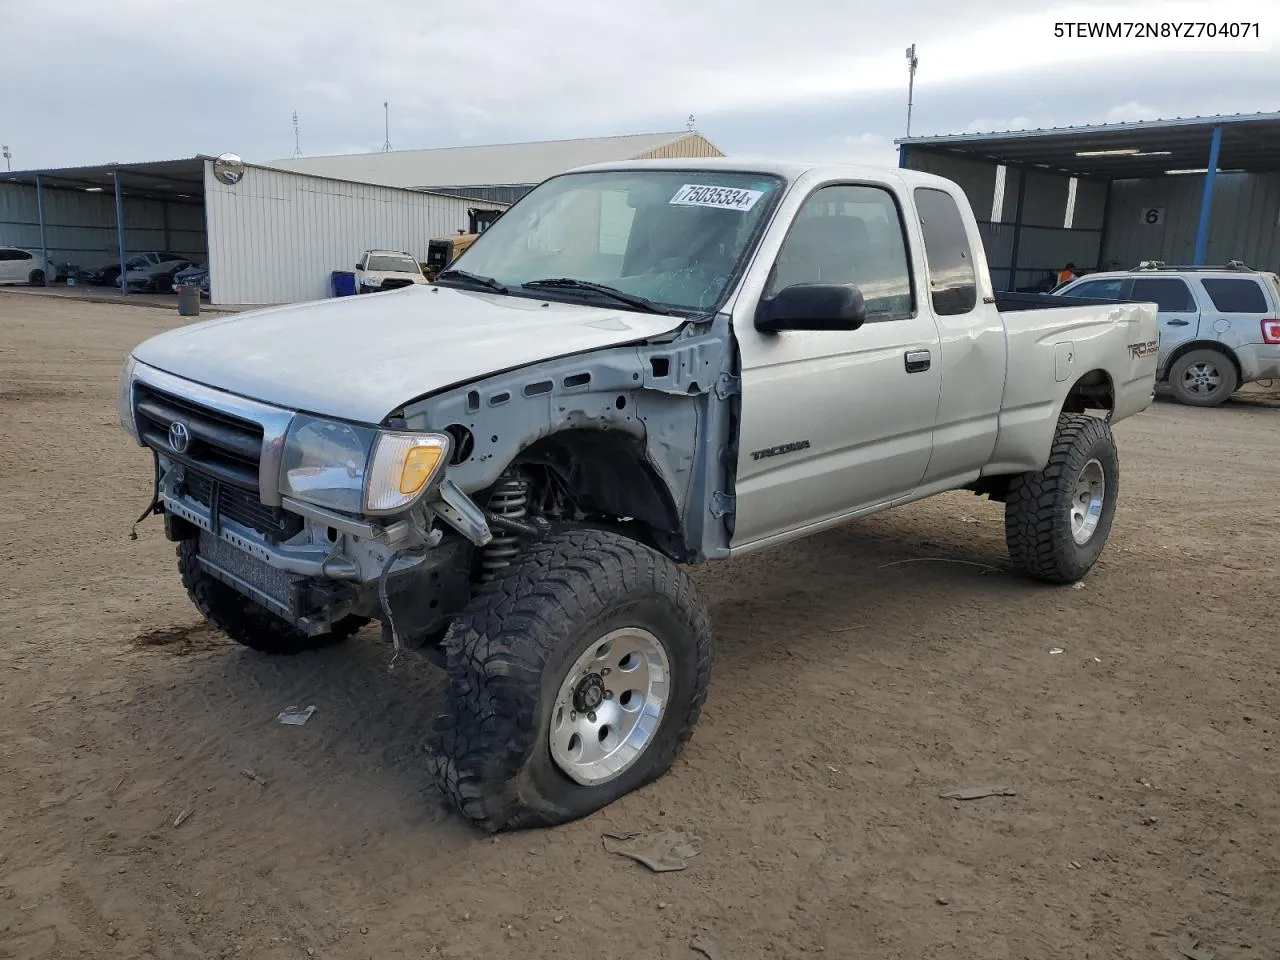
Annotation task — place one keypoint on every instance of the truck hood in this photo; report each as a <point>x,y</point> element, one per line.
<point>359,358</point>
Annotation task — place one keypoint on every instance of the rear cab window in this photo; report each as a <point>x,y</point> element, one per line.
<point>1236,294</point>
<point>953,282</point>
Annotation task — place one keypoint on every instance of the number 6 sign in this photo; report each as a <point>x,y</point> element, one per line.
<point>1152,216</point>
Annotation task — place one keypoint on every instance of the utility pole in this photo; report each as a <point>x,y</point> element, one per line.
<point>8,158</point>
<point>386,110</point>
<point>912,63</point>
<point>297,139</point>
<point>689,123</point>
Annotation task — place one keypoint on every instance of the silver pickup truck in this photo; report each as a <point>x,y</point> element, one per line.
<point>638,367</point>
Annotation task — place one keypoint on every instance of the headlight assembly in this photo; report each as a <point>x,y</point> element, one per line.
<point>359,470</point>
<point>124,397</point>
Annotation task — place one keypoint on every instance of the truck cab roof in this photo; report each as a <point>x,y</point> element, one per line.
<point>790,170</point>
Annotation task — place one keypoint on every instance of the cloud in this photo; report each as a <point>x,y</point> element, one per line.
<point>984,125</point>
<point>1133,110</point>
<point>162,78</point>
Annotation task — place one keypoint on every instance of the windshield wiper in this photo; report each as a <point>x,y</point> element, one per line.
<point>489,282</point>
<point>631,299</point>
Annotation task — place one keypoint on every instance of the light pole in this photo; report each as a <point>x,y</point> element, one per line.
<point>912,63</point>
<point>8,158</point>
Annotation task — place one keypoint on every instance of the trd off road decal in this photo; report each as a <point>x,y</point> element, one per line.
<point>723,198</point>
<point>1140,350</point>
<point>780,450</point>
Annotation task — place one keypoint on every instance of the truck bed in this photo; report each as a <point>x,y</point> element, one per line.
<point>1008,302</point>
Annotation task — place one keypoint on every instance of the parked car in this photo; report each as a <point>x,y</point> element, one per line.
<point>387,270</point>
<point>197,274</point>
<point>23,266</point>
<point>639,366</point>
<point>1219,326</point>
<point>156,276</point>
<point>108,273</point>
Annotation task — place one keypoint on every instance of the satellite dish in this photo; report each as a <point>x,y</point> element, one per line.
<point>228,169</point>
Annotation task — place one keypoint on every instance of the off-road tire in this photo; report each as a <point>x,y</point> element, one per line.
<point>1037,523</point>
<point>1229,379</point>
<point>247,622</point>
<point>510,649</point>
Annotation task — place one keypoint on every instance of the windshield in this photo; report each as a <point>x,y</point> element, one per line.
<point>393,264</point>
<point>674,237</point>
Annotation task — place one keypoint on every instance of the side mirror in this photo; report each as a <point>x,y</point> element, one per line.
<point>358,267</point>
<point>813,306</point>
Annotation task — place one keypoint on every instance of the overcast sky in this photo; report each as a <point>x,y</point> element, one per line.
<point>95,81</point>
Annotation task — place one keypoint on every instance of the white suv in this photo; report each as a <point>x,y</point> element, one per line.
<point>387,270</point>
<point>1219,326</point>
<point>23,266</point>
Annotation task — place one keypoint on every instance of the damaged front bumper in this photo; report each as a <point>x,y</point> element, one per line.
<point>334,567</point>
<point>217,468</point>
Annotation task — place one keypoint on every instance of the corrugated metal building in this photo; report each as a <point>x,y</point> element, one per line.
<point>268,236</point>
<point>1193,191</point>
<point>498,172</point>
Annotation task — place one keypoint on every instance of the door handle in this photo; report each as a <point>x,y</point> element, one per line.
<point>1176,323</point>
<point>917,361</point>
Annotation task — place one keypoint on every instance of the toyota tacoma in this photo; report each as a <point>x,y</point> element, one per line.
<point>639,367</point>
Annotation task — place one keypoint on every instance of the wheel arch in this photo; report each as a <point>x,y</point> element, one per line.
<point>1094,390</point>
<point>609,472</point>
<point>1215,345</point>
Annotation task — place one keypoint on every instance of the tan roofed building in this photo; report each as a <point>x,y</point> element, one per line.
<point>501,172</point>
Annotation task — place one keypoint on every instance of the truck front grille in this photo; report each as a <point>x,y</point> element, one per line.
<point>225,448</point>
<point>225,501</point>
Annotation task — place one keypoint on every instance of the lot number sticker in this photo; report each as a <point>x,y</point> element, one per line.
<point>724,198</point>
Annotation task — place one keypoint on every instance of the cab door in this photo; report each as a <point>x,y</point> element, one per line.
<point>834,422</point>
<point>1178,319</point>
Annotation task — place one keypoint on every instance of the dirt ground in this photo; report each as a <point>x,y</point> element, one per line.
<point>857,679</point>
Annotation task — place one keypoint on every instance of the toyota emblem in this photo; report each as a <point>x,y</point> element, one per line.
<point>179,436</point>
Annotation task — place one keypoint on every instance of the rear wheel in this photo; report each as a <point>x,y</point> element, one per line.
<point>1057,520</point>
<point>1203,378</point>
<point>243,620</point>
<point>573,680</point>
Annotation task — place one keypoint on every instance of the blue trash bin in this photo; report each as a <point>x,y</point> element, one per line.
<point>344,283</point>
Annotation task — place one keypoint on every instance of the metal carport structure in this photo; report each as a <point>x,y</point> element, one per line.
<point>164,182</point>
<point>268,236</point>
<point>1220,177</point>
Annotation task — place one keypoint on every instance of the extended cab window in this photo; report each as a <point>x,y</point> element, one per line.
<point>953,282</point>
<point>1168,293</point>
<point>1236,296</point>
<point>850,234</point>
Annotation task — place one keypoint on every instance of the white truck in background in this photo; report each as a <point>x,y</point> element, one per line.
<point>639,366</point>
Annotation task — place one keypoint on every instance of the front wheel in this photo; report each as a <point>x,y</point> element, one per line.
<point>573,680</point>
<point>36,279</point>
<point>1056,520</point>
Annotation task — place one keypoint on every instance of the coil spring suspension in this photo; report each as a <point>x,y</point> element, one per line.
<point>510,500</point>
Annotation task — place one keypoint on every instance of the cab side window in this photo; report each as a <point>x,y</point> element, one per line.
<point>953,282</point>
<point>850,234</point>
